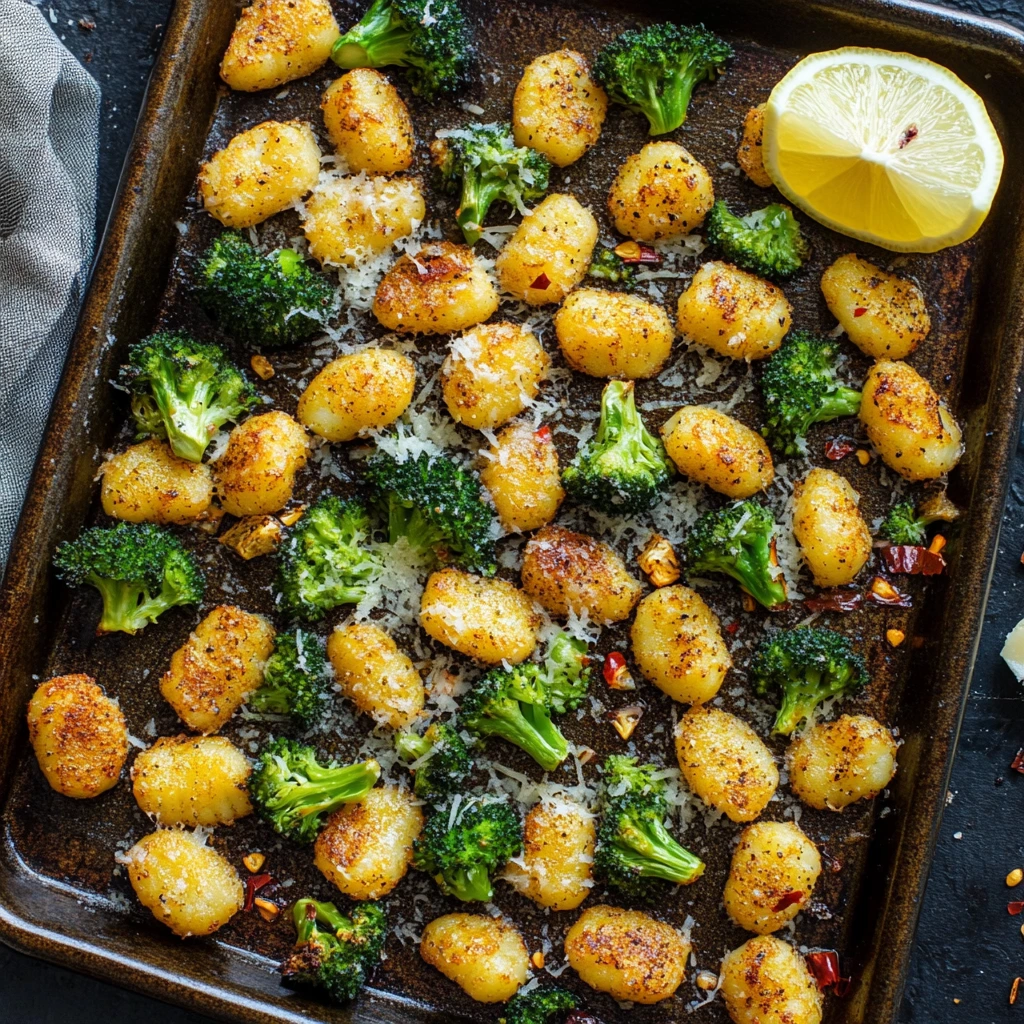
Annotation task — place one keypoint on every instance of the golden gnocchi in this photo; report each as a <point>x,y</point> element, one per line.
<point>750,155</point>
<point>148,483</point>
<point>260,172</point>
<point>766,981</point>
<point>520,470</point>
<point>609,334</point>
<point>834,539</point>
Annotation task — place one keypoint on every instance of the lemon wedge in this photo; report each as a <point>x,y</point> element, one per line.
<point>887,147</point>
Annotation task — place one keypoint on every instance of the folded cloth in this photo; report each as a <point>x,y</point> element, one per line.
<point>49,136</point>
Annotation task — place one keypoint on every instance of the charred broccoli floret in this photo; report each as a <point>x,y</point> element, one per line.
<point>654,70</point>
<point>624,468</point>
<point>292,791</point>
<point>801,387</point>
<point>295,679</point>
<point>767,242</point>
<point>608,265</point>
<point>436,506</point>
<point>737,541</point>
<point>904,525</point>
<point>805,666</point>
<point>546,1004</point>
<point>447,766</point>
<point>184,390</point>
<point>139,569</point>
<point>483,163</point>
<point>516,703</point>
<point>427,38</point>
<point>335,953</point>
<point>464,847</point>
<point>323,564</point>
<point>271,300</point>
<point>633,845</point>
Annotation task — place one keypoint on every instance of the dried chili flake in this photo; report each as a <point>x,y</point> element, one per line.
<point>541,282</point>
<point>883,592</point>
<point>253,884</point>
<point>824,965</point>
<point>616,674</point>
<point>912,560</point>
<point>732,627</point>
<point>838,448</point>
<point>1017,764</point>
<point>543,433</point>
<point>838,599</point>
<point>860,310</point>
<point>787,900</point>
<point>841,989</point>
<point>636,252</point>
<point>1014,907</point>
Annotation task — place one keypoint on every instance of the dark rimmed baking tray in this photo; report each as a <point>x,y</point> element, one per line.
<point>52,912</point>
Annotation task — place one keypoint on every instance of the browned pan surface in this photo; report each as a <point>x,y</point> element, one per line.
<point>60,892</point>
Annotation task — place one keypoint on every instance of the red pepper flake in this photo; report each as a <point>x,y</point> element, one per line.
<point>1017,764</point>
<point>913,560</point>
<point>860,310</point>
<point>543,433</point>
<point>838,599</point>
<point>842,988</point>
<point>883,592</point>
<point>542,282</point>
<point>838,448</point>
<point>1014,908</point>
<point>253,884</point>
<point>824,965</point>
<point>787,900</point>
<point>616,674</point>
<point>636,252</point>
<point>732,627</point>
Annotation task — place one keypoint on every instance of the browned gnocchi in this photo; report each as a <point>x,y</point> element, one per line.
<point>445,288</point>
<point>492,373</point>
<point>678,645</point>
<point>78,734</point>
<point>766,981</point>
<point>718,451</point>
<point>567,572</point>
<point>662,192</point>
<point>358,393</point>
<point>733,313</point>
<point>485,619</point>
<point>750,155</point>
<point>725,762</point>
<point>834,539</point>
<point>260,172</point>
<point>520,470</point>
<point>609,334</point>
<point>558,108</point>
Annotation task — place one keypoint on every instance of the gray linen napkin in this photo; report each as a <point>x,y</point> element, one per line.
<point>49,135</point>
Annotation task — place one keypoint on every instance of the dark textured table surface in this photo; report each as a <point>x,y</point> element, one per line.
<point>968,948</point>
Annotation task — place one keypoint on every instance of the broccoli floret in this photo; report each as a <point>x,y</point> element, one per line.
<point>427,38</point>
<point>292,791</point>
<point>448,765</point>
<point>546,1004</point>
<point>801,387</point>
<point>654,70</point>
<point>335,953</point>
<point>767,242</point>
<point>516,703</point>
<point>436,506</point>
<point>624,468</point>
<point>322,564</point>
<point>271,300</point>
<point>139,569</point>
<point>608,265</point>
<point>184,390</point>
<point>294,679</point>
<point>737,541</point>
<point>485,159</point>
<point>806,666</point>
<point>905,526</point>
<point>463,856</point>
<point>633,844</point>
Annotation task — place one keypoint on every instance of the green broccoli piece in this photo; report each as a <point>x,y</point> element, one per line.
<point>624,468</point>
<point>427,38</point>
<point>767,242</point>
<point>806,666</point>
<point>800,387</point>
<point>546,1004</point>
<point>139,569</point>
<point>295,680</point>
<point>184,390</point>
<point>322,563</point>
<point>633,844</point>
<point>608,265</point>
<point>904,525</point>
<point>271,300</point>
<point>654,70</point>
<point>484,161</point>
<point>436,506</point>
<point>292,791</point>
<point>335,953</point>
<point>737,541</point>
<point>447,767</point>
<point>464,851</point>
<point>516,703</point>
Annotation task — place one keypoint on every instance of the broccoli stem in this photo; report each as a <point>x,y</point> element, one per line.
<point>664,111</point>
<point>841,402</point>
<point>475,201</point>
<point>329,788</point>
<point>800,700</point>
<point>271,700</point>
<point>411,747</point>
<point>376,40</point>
<point>528,727</point>
<point>653,852</point>
<point>471,884</point>
<point>746,570</point>
<point>122,604</point>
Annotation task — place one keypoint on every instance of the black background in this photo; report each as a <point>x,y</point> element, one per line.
<point>968,948</point>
